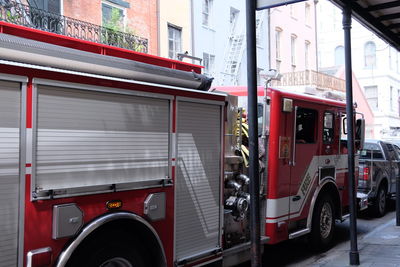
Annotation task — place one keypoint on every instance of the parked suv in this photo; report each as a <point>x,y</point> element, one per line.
<point>378,169</point>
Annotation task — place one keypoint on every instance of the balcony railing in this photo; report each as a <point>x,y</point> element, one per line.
<point>311,78</point>
<point>20,14</point>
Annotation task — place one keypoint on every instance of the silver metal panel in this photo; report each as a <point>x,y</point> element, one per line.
<point>154,206</point>
<point>10,106</point>
<point>22,184</point>
<point>80,86</point>
<point>87,138</point>
<point>67,220</point>
<point>198,174</point>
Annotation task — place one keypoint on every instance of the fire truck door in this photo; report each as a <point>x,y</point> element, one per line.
<point>304,161</point>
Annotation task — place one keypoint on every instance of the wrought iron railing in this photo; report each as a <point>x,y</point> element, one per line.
<point>20,14</point>
<point>313,78</point>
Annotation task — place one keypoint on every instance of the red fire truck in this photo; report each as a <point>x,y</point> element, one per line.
<point>306,187</point>
<point>116,158</point>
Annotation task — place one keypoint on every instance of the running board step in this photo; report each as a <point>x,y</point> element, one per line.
<point>299,233</point>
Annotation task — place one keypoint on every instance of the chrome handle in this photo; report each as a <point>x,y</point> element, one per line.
<point>294,137</point>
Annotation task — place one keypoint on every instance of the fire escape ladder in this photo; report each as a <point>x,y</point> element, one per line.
<point>234,52</point>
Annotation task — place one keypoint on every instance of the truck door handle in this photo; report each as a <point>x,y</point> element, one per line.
<point>296,198</point>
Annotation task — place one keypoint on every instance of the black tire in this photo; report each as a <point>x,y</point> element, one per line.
<point>108,251</point>
<point>378,207</point>
<point>323,224</point>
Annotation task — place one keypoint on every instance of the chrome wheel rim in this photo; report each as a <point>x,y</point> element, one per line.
<point>116,262</point>
<point>326,220</point>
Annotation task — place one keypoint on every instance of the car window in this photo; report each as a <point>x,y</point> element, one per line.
<point>397,150</point>
<point>391,152</point>
<point>371,151</point>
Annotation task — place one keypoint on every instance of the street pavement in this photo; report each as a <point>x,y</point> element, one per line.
<point>378,247</point>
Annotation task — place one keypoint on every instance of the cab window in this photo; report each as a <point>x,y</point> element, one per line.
<point>328,129</point>
<point>306,125</point>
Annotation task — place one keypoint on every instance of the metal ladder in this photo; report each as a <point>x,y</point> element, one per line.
<point>234,52</point>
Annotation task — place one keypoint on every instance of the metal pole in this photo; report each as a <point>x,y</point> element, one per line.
<point>398,201</point>
<point>253,133</point>
<point>354,255</point>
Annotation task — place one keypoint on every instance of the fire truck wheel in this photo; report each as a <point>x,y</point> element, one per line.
<point>379,205</point>
<point>110,251</point>
<point>323,223</point>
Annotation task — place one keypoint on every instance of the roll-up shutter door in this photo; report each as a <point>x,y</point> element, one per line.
<point>198,179</point>
<point>10,98</point>
<point>90,138</point>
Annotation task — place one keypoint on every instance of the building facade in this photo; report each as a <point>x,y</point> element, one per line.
<point>293,37</point>
<point>293,52</point>
<point>175,28</point>
<point>375,64</point>
<point>219,39</point>
<point>136,18</point>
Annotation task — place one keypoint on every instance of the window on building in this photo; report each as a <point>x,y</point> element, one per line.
<point>259,25</point>
<point>208,62</point>
<point>293,39</point>
<point>278,36</point>
<point>339,55</point>
<point>234,14</point>
<point>371,93</point>
<point>391,98</point>
<point>390,58</point>
<point>206,12</point>
<point>307,14</point>
<point>174,41</point>
<point>305,125</point>
<point>307,55</point>
<point>292,11</point>
<point>398,101</point>
<point>370,55</point>
<point>259,80</point>
<point>278,65</point>
<point>113,16</point>
<point>52,6</point>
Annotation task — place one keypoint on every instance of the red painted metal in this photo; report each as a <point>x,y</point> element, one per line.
<point>38,214</point>
<point>285,178</point>
<point>56,39</point>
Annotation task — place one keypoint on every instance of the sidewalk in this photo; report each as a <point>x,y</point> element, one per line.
<point>378,248</point>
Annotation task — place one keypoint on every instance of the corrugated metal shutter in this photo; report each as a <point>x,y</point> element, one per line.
<point>197,184</point>
<point>10,98</point>
<point>88,138</point>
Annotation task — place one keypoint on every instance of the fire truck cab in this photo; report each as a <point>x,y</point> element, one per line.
<point>306,186</point>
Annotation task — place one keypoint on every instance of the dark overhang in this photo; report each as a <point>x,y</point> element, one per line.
<point>380,16</point>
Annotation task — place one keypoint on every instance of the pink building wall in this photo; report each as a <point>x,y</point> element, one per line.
<point>292,20</point>
<point>362,103</point>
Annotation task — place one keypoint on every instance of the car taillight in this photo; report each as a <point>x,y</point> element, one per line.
<point>365,175</point>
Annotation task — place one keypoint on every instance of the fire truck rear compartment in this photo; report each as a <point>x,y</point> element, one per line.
<point>10,99</point>
<point>90,141</point>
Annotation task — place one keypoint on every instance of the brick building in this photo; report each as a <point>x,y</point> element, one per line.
<point>137,17</point>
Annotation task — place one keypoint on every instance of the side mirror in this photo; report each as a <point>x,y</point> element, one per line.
<point>360,133</point>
